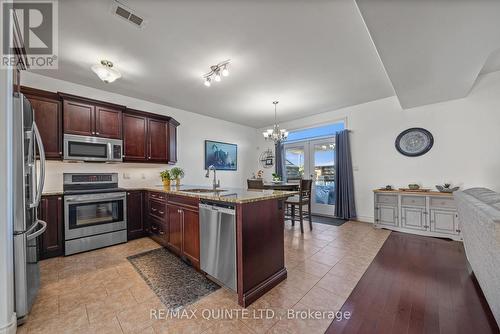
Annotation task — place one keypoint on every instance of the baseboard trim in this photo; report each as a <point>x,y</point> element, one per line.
<point>258,291</point>
<point>11,327</point>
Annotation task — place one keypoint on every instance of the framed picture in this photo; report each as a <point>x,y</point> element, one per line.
<point>223,156</point>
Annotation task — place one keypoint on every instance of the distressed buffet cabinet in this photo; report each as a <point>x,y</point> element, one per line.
<point>425,213</point>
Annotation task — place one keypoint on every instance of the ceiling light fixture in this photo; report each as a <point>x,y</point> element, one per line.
<point>217,72</point>
<point>276,134</point>
<point>106,72</point>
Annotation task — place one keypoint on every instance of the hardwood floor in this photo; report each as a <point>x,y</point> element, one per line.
<point>417,285</point>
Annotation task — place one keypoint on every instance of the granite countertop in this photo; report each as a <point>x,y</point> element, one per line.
<point>231,195</point>
<point>224,194</point>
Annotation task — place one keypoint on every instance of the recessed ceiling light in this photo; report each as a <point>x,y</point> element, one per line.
<point>105,71</point>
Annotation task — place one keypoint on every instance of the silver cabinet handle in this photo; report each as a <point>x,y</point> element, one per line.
<point>97,133</point>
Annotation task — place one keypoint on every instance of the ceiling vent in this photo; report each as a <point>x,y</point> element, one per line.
<point>127,13</point>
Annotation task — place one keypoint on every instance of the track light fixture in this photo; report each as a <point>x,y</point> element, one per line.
<point>217,72</point>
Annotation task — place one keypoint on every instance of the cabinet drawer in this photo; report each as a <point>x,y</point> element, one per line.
<point>184,201</point>
<point>413,200</point>
<point>157,196</point>
<point>157,209</point>
<point>387,199</point>
<point>442,202</point>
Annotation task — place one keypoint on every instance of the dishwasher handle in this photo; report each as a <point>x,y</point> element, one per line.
<point>216,208</point>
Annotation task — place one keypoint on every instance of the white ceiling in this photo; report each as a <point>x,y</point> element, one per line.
<point>433,50</point>
<point>312,55</point>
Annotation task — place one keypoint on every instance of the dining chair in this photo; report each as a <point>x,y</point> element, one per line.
<point>295,205</point>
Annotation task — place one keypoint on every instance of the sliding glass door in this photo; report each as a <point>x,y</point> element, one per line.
<point>314,159</point>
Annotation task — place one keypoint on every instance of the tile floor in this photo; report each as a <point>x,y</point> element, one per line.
<point>100,292</point>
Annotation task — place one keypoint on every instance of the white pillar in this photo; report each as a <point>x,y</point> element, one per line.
<point>7,315</point>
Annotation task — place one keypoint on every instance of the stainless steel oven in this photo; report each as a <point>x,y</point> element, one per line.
<point>86,148</point>
<point>95,212</point>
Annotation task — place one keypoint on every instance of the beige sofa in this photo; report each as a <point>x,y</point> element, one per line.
<point>479,214</point>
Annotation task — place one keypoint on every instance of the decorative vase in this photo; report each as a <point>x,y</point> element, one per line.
<point>166,182</point>
<point>178,182</point>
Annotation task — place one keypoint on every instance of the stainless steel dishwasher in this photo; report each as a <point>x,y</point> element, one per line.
<point>218,242</point>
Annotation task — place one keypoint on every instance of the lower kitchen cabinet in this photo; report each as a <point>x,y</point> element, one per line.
<point>51,242</point>
<point>135,215</point>
<point>175,228</point>
<point>191,236</point>
<point>184,229</point>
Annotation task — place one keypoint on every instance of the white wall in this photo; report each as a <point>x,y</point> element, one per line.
<point>192,132</point>
<point>466,148</point>
<point>7,315</point>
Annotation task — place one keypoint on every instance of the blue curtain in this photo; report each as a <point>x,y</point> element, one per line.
<point>344,179</point>
<point>279,166</point>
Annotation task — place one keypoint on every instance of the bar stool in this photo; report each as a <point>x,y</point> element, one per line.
<point>295,205</point>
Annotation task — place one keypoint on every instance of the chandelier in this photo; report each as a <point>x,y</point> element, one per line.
<point>216,73</point>
<point>276,134</point>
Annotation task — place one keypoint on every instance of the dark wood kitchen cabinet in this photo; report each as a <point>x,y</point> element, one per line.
<point>135,215</point>
<point>149,138</point>
<point>48,117</point>
<point>157,140</point>
<point>184,228</point>
<point>87,117</point>
<point>172,141</point>
<point>134,137</point>
<point>157,217</point>
<point>51,242</point>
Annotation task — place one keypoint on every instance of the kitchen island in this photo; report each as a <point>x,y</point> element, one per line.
<point>260,262</point>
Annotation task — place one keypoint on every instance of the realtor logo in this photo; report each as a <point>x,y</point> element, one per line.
<point>37,29</point>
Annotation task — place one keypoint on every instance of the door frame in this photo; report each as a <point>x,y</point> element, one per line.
<point>309,166</point>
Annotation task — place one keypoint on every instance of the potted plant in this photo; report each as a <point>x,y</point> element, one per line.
<point>177,174</point>
<point>165,177</point>
<point>276,177</point>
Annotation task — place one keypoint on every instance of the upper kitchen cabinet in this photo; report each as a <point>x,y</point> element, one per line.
<point>48,117</point>
<point>135,129</point>
<point>172,141</point>
<point>149,138</point>
<point>157,140</point>
<point>87,117</point>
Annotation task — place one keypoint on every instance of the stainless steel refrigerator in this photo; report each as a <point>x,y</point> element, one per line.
<point>28,186</point>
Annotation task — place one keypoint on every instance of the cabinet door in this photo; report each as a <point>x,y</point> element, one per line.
<point>48,117</point>
<point>51,242</point>
<point>135,214</point>
<point>387,215</point>
<point>78,118</point>
<point>174,228</point>
<point>108,123</point>
<point>172,143</point>
<point>191,236</point>
<point>413,218</point>
<point>134,138</point>
<point>444,221</point>
<point>157,140</point>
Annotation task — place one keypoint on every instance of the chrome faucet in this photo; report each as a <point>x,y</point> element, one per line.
<point>216,183</point>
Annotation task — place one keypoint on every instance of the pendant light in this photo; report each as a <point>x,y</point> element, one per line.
<point>276,134</point>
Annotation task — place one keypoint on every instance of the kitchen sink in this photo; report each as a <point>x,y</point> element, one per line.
<point>202,190</point>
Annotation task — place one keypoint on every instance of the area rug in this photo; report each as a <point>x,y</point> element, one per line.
<point>328,220</point>
<point>174,282</point>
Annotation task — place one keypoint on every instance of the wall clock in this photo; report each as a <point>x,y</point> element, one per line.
<point>267,159</point>
<point>414,142</point>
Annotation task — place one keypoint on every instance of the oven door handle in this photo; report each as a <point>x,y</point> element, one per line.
<point>94,200</point>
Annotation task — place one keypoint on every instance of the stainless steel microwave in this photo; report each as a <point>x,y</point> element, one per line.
<point>86,148</point>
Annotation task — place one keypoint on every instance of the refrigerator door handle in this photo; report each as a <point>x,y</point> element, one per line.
<point>41,179</point>
<point>39,232</point>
